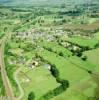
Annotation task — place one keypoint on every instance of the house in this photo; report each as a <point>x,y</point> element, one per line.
<point>47,66</point>
<point>33,64</point>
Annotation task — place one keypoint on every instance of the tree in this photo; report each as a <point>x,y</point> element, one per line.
<point>65,84</point>
<point>49,49</point>
<point>31,96</point>
<point>84,58</point>
<point>78,53</point>
<point>54,71</point>
<point>61,54</point>
<point>63,20</point>
<point>5,28</point>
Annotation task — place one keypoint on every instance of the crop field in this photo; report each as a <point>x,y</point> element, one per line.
<point>90,27</point>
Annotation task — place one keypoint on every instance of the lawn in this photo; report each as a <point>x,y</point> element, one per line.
<point>40,81</point>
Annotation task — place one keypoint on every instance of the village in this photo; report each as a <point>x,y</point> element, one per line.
<point>49,52</point>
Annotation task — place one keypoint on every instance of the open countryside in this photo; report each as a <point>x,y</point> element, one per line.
<point>49,50</point>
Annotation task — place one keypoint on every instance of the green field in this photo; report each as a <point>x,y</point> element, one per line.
<point>97,36</point>
<point>93,56</point>
<point>56,48</point>
<point>60,34</point>
<point>75,76</point>
<point>83,41</point>
<point>40,81</point>
<point>64,66</point>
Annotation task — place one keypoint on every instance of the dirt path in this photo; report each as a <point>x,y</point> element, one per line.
<point>18,83</point>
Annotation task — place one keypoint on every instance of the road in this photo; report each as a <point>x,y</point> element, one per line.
<point>7,85</point>
<point>18,83</point>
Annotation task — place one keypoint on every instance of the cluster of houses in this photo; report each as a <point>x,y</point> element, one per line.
<point>35,34</point>
<point>70,46</point>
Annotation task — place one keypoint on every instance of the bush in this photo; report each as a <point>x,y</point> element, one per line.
<point>31,96</point>
<point>61,54</point>
<point>77,53</point>
<point>49,49</point>
<point>48,95</point>
<point>58,90</point>
<point>84,58</point>
<point>65,84</point>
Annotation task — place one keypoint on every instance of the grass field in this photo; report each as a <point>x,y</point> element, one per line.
<point>56,48</point>
<point>97,36</point>
<point>93,56</point>
<point>39,25</point>
<point>87,65</point>
<point>75,75</point>
<point>83,42</point>
<point>40,81</point>
<point>73,94</point>
<point>64,66</point>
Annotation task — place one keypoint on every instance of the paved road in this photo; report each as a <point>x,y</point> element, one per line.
<point>5,79</point>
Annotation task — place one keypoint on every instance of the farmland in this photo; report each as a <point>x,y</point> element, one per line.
<point>49,51</point>
<point>83,42</point>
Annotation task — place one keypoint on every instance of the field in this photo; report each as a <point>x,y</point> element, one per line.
<point>76,76</point>
<point>93,56</point>
<point>66,66</point>
<point>82,41</point>
<point>56,48</point>
<point>40,81</point>
<point>53,50</point>
<point>97,36</point>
